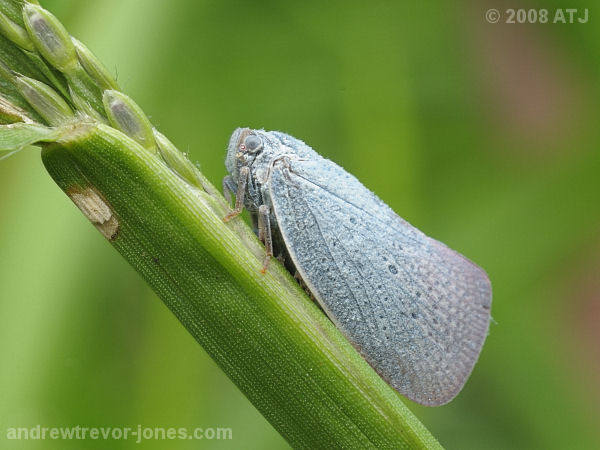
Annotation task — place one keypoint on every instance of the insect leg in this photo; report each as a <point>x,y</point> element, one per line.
<point>226,189</point>
<point>264,234</point>
<point>240,194</point>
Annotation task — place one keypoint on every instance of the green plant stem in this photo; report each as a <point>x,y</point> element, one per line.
<point>262,330</point>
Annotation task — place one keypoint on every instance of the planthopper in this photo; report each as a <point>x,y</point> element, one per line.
<point>416,310</point>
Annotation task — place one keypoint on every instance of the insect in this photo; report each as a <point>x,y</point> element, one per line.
<point>416,310</point>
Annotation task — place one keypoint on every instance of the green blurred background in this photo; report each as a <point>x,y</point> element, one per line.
<point>485,136</point>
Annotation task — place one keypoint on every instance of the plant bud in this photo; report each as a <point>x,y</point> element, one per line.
<point>50,37</point>
<point>126,116</point>
<point>94,68</point>
<point>177,160</point>
<point>46,102</point>
<point>15,33</point>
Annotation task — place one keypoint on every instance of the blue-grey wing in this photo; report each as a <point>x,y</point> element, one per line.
<point>416,310</point>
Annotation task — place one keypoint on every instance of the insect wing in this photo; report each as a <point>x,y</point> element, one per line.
<point>416,310</point>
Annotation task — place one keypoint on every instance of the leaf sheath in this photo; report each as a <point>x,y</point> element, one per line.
<point>262,330</point>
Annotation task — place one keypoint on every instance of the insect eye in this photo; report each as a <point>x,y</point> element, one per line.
<point>252,143</point>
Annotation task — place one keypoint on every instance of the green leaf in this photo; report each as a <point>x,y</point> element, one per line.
<point>17,136</point>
